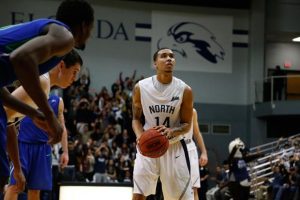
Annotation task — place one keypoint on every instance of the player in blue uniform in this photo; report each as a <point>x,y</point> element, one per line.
<point>35,155</point>
<point>33,48</point>
<point>11,101</point>
<point>63,75</point>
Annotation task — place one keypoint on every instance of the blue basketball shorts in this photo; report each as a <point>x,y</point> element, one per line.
<point>36,162</point>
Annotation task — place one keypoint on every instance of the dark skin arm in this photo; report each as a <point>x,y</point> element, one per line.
<point>137,112</point>
<point>57,41</point>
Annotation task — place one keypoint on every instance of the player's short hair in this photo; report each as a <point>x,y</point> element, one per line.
<point>74,12</point>
<point>72,58</point>
<point>156,52</point>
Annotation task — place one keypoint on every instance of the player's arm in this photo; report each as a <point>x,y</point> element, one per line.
<point>22,95</point>
<point>11,102</point>
<point>57,41</point>
<point>13,153</point>
<point>199,139</point>
<point>137,112</point>
<point>186,113</point>
<point>64,159</point>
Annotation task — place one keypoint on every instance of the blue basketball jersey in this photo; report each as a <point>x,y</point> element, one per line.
<point>12,37</point>
<point>29,132</point>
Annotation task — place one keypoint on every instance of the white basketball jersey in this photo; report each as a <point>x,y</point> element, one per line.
<point>161,108</point>
<point>47,77</point>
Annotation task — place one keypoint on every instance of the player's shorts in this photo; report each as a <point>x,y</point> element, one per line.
<point>4,164</point>
<point>36,162</point>
<point>195,174</point>
<point>173,170</point>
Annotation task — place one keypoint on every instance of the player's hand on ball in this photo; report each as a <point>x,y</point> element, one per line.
<point>152,143</point>
<point>165,131</point>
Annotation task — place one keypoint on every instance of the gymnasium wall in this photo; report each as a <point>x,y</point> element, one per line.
<point>282,20</point>
<point>113,47</point>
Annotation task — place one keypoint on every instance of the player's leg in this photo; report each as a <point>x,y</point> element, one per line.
<point>11,193</point>
<point>33,194</point>
<point>196,197</point>
<point>145,175</point>
<point>175,173</point>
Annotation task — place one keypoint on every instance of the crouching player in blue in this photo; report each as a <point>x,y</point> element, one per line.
<point>35,155</point>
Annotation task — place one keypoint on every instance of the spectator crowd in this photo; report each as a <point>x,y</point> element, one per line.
<point>100,138</point>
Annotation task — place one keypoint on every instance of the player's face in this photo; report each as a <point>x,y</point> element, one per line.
<point>165,60</point>
<point>68,75</point>
<point>86,30</point>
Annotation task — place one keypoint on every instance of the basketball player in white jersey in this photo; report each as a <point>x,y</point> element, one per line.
<point>167,104</point>
<point>195,133</point>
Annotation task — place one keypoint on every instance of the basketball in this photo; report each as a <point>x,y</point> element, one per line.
<point>153,144</point>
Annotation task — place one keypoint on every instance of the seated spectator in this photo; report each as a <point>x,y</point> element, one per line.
<point>88,161</point>
<point>223,192</point>
<point>127,178</point>
<point>112,171</point>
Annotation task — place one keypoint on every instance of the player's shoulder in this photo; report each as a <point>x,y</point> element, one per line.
<point>146,82</point>
<point>60,32</point>
<point>136,90</point>
<point>43,25</point>
<point>181,83</point>
<point>178,80</point>
<point>61,39</point>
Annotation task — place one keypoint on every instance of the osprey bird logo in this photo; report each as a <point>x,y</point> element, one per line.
<point>188,37</point>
